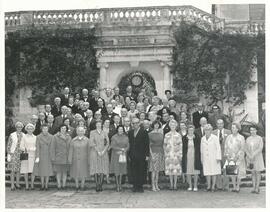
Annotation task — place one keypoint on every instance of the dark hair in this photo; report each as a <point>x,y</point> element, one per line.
<point>253,126</point>
<point>156,122</point>
<point>173,114</point>
<point>114,96</point>
<point>168,91</point>
<point>66,119</point>
<point>154,92</point>
<point>63,125</point>
<point>44,125</point>
<point>119,127</point>
<point>98,121</point>
<point>139,114</point>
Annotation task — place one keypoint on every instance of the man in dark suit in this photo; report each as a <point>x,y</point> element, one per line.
<point>90,122</point>
<point>147,127</point>
<point>65,96</point>
<point>94,101</point>
<point>199,132</point>
<point>85,107</point>
<point>196,116</point>
<point>58,121</point>
<point>85,97</point>
<point>48,109</point>
<point>40,122</point>
<point>165,123</point>
<point>215,115</point>
<point>52,129</point>
<point>56,108</point>
<point>113,127</point>
<point>138,153</point>
<point>109,113</point>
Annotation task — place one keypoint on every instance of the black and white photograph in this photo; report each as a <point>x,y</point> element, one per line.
<point>134,104</point>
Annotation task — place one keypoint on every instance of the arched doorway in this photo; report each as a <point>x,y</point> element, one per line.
<point>137,80</point>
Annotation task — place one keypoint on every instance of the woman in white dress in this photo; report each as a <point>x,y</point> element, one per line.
<point>28,144</point>
<point>210,157</point>
<point>234,150</point>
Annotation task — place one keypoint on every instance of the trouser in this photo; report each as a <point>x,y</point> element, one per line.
<point>137,172</point>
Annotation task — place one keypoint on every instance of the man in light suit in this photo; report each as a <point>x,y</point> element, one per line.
<point>222,133</point>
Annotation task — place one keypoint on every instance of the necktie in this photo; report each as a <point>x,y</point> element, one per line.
<point>220,136</point>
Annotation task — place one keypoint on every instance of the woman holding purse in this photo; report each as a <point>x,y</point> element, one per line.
<point>254,158</point>
<point>13,154</point>
<point>28,146</point>
<point>119,147</point>
<point>157,160</point>
<point>98,155</point>
<point>234,151</point>
<point>43,164</point>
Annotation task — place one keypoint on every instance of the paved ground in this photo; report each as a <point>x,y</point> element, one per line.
<point>127,199</point>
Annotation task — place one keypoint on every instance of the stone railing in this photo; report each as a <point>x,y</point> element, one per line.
<point>112,15</point>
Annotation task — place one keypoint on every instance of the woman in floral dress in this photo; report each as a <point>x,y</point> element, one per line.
<point>234,150</point>
<point>98,156</point>
<point>173,154</point>
<point>13,157</point>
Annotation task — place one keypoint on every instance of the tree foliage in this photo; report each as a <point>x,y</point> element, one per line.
<point>215,64</point>
<point>46,60</point>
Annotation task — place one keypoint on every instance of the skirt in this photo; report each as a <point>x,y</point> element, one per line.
<point>190,163</point>
<point>157,162</point>
<point>15,164</point>
<point>61,168</point>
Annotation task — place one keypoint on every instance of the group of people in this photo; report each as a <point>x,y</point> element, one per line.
<point>129,136</point>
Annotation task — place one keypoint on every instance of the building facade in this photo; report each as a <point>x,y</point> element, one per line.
<point>137,41</point>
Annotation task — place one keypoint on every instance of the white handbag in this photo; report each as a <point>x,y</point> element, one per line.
<point>122,158</point>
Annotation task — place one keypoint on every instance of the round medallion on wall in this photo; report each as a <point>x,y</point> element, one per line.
<point>137,80</point>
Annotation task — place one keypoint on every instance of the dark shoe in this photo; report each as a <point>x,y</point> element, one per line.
<point>32,188</point>
<point>213,190</point>
<point>46,189</point>
<point>41,189</point>
<point>258,191</point>
<point>140,190</point>
<point>27,189</point>
<point>13,189</point>
<point>134,189</point>
<point>208,189</point>
<point>77,190</point>
<point>58,188</point>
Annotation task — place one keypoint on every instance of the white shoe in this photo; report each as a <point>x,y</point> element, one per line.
<point>195,189</point>
<point>189,189</point>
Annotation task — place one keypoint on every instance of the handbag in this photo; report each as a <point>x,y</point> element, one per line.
<point>232,168</point>
<point>24,155</point>
<point>122,158</point>
<point>251,166</point>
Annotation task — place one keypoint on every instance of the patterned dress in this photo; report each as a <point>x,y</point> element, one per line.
<point>99,164</point>
<point>15,164</point>
<point>254,144</point>
<point>157,161</point>
<point>235,149</point>
<point>173,153</point>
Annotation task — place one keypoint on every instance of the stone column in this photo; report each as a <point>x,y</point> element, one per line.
<point>166,77</point>
<point>251,103</point>
<point>102,77</point>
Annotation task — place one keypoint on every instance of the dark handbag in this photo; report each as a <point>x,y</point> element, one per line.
<point>232,169</point>
<point>251,166</point>
<point>24,155</point>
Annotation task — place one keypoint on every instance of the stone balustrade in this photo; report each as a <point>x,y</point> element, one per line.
<point>111,15</point>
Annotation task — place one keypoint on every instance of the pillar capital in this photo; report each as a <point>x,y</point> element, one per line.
<point>103,65</point>
<point>165,63</point>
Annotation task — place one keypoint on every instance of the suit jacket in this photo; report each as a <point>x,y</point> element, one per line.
<point>64,100</point>
<point>109,116</point>
<point>139,145</point>
<point>93,105</point>
<point>52,129</point>
<point>58,121</point>
<point>225,134</point>
<point>56,111</point>
<point>87,99</point>
<point>198,133</point>
<point>90,126</point>
<point>46,115</point>
<point>38,125</point>
<point>197,153</point>
<point>166,128</point>
<point>112,131</point>
<point>83,114</point>
<point>196,116</point>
